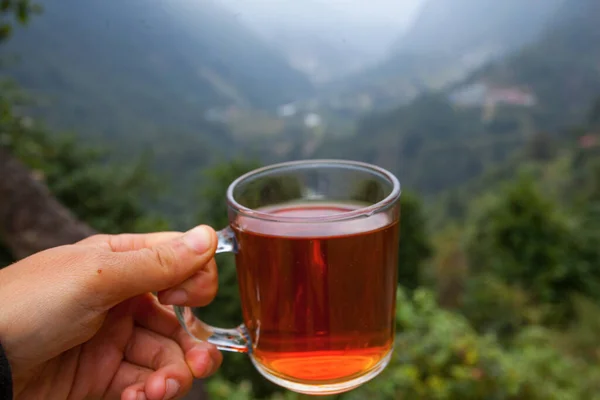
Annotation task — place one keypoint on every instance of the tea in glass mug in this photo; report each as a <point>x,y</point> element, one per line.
<point>316,249</point>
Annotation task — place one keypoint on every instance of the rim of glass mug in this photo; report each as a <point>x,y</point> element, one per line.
<point>315,164</point>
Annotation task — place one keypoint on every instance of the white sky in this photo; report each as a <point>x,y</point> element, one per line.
<point>369,24</point>
<point>389,11</point>
<point>361,12</point>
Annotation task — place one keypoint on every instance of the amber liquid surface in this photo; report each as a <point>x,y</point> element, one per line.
<point>318,299</point>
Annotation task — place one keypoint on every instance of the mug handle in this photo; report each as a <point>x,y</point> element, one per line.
<point>235,340</point>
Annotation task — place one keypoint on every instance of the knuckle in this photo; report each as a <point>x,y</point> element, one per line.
<point>165,261</point>
<point>117,242</point>
<point>99,237</point>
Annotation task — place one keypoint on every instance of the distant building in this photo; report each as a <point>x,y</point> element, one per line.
<point>312,120</point>
<point>588,141</point>
<point>512,96</point>
<point>469,96</point>
<point>482,95</point>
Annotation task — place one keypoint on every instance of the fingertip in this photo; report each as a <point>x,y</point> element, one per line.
<point>155,387</point>
<point>201,239</point>
<point>203,361</point>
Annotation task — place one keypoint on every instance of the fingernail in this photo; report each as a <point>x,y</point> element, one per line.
<point>172,389</point>
<point>176,297</point>
<point>198,239</point>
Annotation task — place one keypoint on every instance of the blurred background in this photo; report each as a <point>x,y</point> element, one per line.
<point>135,115</point>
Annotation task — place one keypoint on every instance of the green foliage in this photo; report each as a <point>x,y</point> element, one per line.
<point>415,247</point>
<point>521,237</point>
<point>14,11</point>
<point>492,306</point>
<point>110,198</point>
<point>533,245</point>
<point>439,355</point>
<point>581,337</point>
<point>546,373</point>
<point>449,272</point>
<point>220,389</point>
<point>591,189</point>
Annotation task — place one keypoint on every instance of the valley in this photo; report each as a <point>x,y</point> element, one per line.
<point>190,84</point>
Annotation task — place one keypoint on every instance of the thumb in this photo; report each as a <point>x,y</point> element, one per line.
<point>156,268</point>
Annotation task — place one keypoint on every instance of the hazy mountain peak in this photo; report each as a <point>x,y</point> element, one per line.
<point>327,38</point>
<point>455,26</point>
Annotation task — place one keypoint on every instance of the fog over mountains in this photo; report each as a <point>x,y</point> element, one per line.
<point>199,81</point>
<point>328,39</point>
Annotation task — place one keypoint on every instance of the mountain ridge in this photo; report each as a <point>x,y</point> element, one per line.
<point>434,143</point>
<point>444,45</point>
<point>159,43</point>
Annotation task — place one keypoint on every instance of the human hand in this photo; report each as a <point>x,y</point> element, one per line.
<point>79,321</point>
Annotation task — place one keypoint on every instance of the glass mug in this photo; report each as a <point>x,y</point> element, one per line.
<point>316,249</point>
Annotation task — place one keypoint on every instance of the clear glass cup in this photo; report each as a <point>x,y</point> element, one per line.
<point>316,248</point>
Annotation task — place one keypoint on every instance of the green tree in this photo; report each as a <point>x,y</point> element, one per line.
<point>492,306</point>
<point>415,247</point>
<point>522,237</point>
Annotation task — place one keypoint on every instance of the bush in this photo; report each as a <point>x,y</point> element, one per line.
<point>440,356</point>
<point>492,306</point>
<point>521,237</point>
<point>415,247</point>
